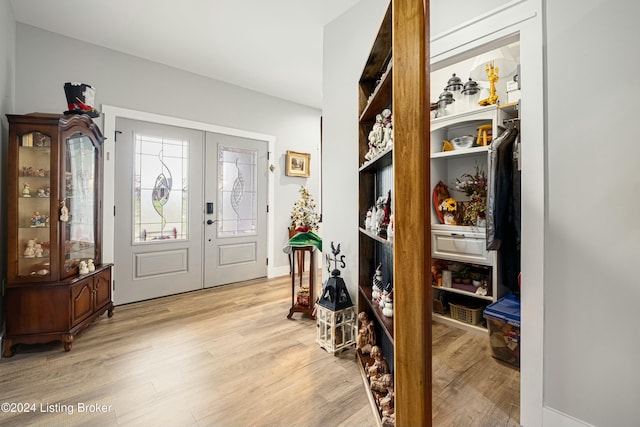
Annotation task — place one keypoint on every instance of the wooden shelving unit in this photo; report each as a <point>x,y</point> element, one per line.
<point>395,78</point>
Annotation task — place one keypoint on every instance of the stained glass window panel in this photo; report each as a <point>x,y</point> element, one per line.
<point>160,189</point>
<point>237,195</point>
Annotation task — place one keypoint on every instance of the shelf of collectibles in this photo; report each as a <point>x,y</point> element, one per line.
<point>465,276</point>
<point>375,342</point>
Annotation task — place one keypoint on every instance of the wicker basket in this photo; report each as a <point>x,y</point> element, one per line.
<point>464,314</point>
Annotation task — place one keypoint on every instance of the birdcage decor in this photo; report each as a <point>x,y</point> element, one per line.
<point>336,315</point>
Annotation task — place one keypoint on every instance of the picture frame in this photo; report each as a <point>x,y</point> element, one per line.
<point>298,164</point>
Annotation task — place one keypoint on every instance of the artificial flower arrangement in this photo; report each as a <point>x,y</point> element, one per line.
<point>303,215</point>
<point>475,188</point>
<point>449,207</point>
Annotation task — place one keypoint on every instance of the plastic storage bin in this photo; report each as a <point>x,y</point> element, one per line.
<point>503,323</point>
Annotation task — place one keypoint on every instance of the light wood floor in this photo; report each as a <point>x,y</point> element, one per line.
<point>230,357</point>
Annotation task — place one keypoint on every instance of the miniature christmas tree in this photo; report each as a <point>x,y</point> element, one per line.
<point>303,215</point>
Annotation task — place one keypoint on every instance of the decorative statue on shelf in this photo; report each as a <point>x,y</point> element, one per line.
<point>387,407</point>
<point>375,138</point>
<point>82,267</point>
<point>90,265</point>
<point>378,286</point>
<point>366,334</point>
<point>367,221</point>
<point>26,192</point>
<point>64,211</point>
<point>387,310</point>
<point>30,250</point>
<point>381,383</point>
<point>38,251</point>
<point>380,213</point>
<point>387,129</point>
<point>379,367</point>
<point>492,75</point>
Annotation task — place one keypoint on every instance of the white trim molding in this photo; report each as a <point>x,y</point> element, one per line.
<point>553,418</point>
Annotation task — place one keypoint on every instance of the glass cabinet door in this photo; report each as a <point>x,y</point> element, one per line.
<point>78,204</point>
<point>34,191</point>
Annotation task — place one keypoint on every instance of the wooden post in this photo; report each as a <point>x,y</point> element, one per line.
<point>412,249</point>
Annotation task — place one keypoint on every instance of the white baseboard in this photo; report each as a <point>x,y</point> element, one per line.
<point>553,418</point>
<point>277,271</point>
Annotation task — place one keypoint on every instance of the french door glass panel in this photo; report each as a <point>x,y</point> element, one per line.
<point>161,190</point>
<point>237,192</point>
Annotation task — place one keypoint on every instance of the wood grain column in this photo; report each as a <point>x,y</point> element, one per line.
<point>412,250</point>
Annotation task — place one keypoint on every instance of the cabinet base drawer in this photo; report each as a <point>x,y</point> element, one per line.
<point>460,246</point>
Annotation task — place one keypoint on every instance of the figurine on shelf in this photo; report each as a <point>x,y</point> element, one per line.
<point>375,138</point>
<point>41,192</point>
<point>30,250</point>
<point>366,334</point>
<point>90,265</point>
<point>387,311</point>
<point>38,220</point>
<point>391,227</point>
<point>381,383</point>
<point>82,267</point>
<point>377,288</point>
<point>389,420</point>
<point>38,251</point>
<point>367,221</point>
<point>379,367</point>
<point>387,403</point>
<point>26,192</point>
<point>64,211</point>
<point>387,129</point>
<point>492,75</point>
<point>380,213</point>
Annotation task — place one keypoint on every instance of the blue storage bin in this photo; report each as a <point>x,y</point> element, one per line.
<point>503,323</point>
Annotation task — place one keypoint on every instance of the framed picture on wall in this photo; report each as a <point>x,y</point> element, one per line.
<point>297,164</point>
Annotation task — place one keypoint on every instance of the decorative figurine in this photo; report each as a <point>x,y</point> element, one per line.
<point>377,288</point>
<point>41,192</point>
<point>387,311</point>
<point>379,367</point>
<point>25,190</point>
<point>391,227</point>
<point>82,267</point>
<point>64,211</point>
<point>367,221</point>
<point>492,74</point>
<point>90,265</point>
<point>30,250</point>
<point>381,383</point>
<point>38,250</point>
<point>366,334</point>
<point>387,128</point>
<point>380,213</point>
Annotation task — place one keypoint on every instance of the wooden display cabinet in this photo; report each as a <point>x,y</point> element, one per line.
<point>54,191</point>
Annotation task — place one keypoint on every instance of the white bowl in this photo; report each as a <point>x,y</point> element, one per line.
<point>465,141</point>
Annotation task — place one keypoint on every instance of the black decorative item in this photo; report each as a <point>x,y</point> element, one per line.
<point>335,313</point>
<point>80,99</point>
<point>335,295</point>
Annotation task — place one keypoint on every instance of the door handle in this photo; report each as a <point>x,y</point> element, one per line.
<point>210,221</point>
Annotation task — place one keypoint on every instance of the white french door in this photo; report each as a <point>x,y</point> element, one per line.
<point>191,210</point>
<point>236,209</point>
<point>159,219</point>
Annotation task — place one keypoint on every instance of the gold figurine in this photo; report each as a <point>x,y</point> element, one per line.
<point>492,74</point>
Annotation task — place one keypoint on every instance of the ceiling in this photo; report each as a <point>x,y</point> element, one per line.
<point>270,46</point>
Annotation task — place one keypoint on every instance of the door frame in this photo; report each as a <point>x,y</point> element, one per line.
<point>111,113</point>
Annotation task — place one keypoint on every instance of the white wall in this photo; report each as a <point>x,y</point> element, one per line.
<point>347,41</point>
<point>7,84</point>
<point>592,291</point>
<point>45,61</point>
